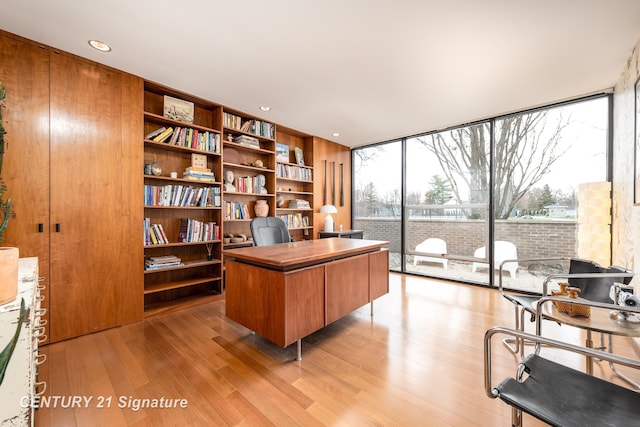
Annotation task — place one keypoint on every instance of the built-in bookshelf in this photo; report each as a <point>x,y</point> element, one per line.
<point>248,173</point>
<point>182,198</point>
<point>294,182</point>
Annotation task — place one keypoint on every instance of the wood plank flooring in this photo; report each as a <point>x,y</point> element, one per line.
<point>418,361</point>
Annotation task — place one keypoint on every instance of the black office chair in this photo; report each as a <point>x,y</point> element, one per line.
<point>269,230</point>
<point>593,280</point>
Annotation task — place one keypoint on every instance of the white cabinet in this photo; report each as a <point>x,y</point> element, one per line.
<point>20,381</point>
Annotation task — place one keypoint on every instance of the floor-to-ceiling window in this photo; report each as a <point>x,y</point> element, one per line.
<point>504,187</point>
<point>377,200</point>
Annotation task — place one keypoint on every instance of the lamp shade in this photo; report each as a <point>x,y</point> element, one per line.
<point>328,209</point>
<point>328,221</point>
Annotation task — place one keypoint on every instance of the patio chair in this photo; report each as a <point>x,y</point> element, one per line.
<point>502,251</point>
<point>432,245</point>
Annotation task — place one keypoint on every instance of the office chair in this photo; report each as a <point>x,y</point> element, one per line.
<point>269,230</point>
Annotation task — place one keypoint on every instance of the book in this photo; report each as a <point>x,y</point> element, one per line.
<point>164,135</point>
<point>155,133</point>
<point>299,156</point>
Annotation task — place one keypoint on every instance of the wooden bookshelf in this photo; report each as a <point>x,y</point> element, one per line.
<point>294,182</point>
<point>248,151</point>
<point>197,276</point>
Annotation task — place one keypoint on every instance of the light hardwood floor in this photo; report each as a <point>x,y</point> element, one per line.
<point>417,362</point>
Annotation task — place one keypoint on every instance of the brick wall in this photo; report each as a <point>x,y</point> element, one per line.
<point>533,238</point>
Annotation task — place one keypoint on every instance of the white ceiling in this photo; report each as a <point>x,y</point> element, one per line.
<point>372,70</point>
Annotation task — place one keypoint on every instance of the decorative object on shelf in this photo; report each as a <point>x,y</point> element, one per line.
<point>333,183</point>
<point>282,153</point>
<point>258,164</point>
<point>299,156</point>
<point>228,181</point>
<point>324,185</point>
<point>209,250</point>
<point>328,220</point>
<point>156,170</point>
<point>260,182</point>
<point>280,201</point>
<point>229,137</point>
<point>341,184</point>
<point>8,274</point>
<point>178,109</point>
<point>231,155</point>
<point>261,208</point>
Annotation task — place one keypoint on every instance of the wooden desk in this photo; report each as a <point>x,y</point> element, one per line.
<point>287,291</point>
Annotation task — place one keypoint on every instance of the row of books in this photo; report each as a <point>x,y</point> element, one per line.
<point>257,127</point>
<point>236,210</point>
<point>181,195</point>
<point>192,230</point>
<point>293,172</point>
<point>248,184</point>
<point>187,138</point>
<point>165,261</point>
<point>154,234</point>
<point>296,220</point>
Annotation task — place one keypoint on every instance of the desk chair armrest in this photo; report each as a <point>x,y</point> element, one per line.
<point>506,261</point>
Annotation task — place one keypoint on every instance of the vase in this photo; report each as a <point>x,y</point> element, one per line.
<point>261,208</point>
<point>8,274</point>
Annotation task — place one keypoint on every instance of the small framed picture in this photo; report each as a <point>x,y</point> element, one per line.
<point>299,156</point>
<point>282,153</point>
<point>178,109</point>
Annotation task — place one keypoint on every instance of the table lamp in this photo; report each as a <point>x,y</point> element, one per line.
<point>328,220</point>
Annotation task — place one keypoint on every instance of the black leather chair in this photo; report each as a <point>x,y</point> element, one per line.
<point>560,395</point>
<point>593,280</point>
<point>269,231</point>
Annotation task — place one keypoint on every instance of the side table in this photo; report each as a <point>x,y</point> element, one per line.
<point>345,234</point>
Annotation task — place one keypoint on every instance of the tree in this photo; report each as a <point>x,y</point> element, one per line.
<point>440,191</point>
<point>546,198</point>
<point>524,152</point>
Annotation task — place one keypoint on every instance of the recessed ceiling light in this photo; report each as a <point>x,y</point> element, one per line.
<point>336,134</point>
<point>265,108</point>
<point>102,47</point>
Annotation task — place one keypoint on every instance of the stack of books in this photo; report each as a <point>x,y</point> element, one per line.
<point>248,141</point>
<point>299,204</point>
<point>199,174</point>
<point>166,261</point>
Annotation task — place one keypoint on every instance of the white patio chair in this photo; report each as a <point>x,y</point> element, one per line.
<point>503,250</point>
<point>433,246</point>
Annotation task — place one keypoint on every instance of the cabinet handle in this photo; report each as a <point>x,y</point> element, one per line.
<point>40,228</point>
<point>57,228</point>
<point>41,279</point>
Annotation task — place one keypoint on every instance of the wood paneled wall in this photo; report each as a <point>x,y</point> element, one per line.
<point>334,155</point>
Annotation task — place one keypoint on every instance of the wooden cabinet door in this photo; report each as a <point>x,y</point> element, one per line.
<point>24,70</point>
<point>95,247</point>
